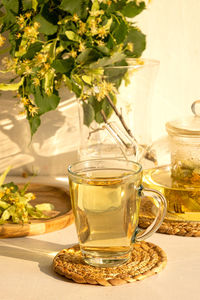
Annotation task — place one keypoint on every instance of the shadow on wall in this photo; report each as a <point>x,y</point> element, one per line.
<point>53,146</point>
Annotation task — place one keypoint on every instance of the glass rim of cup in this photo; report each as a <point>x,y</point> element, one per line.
<point>76,174</point>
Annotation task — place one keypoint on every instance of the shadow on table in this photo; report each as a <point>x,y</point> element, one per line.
<point>39,251</point>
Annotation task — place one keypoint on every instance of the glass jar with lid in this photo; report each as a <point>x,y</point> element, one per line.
<point>179,181</point>
<point>184,138</point>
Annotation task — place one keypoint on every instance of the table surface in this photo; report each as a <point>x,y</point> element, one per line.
<point>26,271</point>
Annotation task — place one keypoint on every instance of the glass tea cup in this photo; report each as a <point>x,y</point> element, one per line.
<point>105,196</point>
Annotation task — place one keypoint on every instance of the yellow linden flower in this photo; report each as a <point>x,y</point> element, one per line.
<point>36,25</point>
<point>93,27</point>
<point>104,89</point>
<point>18,35</point>
<point>100,43</point>
<point>130,47</point>
<point>73,53</point>
<point>36,81</point>
<point>25,101</point>
<point>28,15</point>
<point>33,197</point>
<point>99,20</point>
<point>2,40</point>
<point>82,28</point>
<point>1,194</point>
<point>102,32</point>
<point>7,191</point>
<point>28,70</point>
<point>75,18</point>
<point>96,13</point>
<point>20,19</point>
<point>46,66</point>
<point>41,58</point>
<point>22,49</point>
<point>41,73</point>
<point>81,47</point>
<point>32,110</point>
<point>20,205</point>
<point>30,31</point>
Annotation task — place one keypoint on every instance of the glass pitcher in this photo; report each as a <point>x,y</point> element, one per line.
<point>122,124</point>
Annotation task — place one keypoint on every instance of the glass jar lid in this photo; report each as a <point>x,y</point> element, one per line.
<point>188,126</point>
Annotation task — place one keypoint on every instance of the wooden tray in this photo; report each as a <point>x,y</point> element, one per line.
<point>60,218</point>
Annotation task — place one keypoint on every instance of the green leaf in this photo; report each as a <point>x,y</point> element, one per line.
<point>12,9</point>
<point>8,20</point>
<point>5,215</point>
<point>88,113</point>
<point>11,185</point>
<point>120,31</point>
<point>34,123</point>
<point>34,4</point>
<point>4,204</point>
<point>1,14</point>
<point>107,107</point>
<point>88,56</point>
<point>115,75</point>
<point>24,189</point>
<point>132,9</point>
<point>11,86</point>
<point>115,6</point>
<point>87,79</point>
<point>138,39</point>
<point>108,24</point>
<point>63,66</point>
<point>32,50</point>
<point>27,4</point>
<point>95,5</point>
<point>46,26</point>
<point>103,49</point>
<point>3,176</point>
<point>44,206</point>
<point>44,102</point>
<point>76,89</point>
<point>11,5</point>
<point>78,7</point>
<point>97,105</point>
<point>106,61</point>
<point>98,117</point>
<point>48,81</point>
<point>73,36</point>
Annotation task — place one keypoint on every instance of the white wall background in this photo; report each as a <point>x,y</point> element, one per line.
<point>172,30</point>
<point>173,37</point>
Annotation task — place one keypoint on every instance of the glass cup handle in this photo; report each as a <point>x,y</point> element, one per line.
<point>161,204</point>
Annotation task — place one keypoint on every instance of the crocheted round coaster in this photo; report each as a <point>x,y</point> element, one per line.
<point>171,224</point>
<point>146,260</point>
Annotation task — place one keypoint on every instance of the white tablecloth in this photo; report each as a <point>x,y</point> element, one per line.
<point>26,271</point>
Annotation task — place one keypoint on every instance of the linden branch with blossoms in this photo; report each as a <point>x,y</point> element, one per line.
<point>56,42</point>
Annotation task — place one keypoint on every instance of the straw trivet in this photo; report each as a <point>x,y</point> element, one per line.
<point>171,224</point>
<point>146,260</point>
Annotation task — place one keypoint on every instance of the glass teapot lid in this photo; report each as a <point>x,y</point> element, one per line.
<point>188,126</point>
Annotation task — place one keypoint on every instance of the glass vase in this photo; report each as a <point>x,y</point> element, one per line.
<point>122,122</point>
